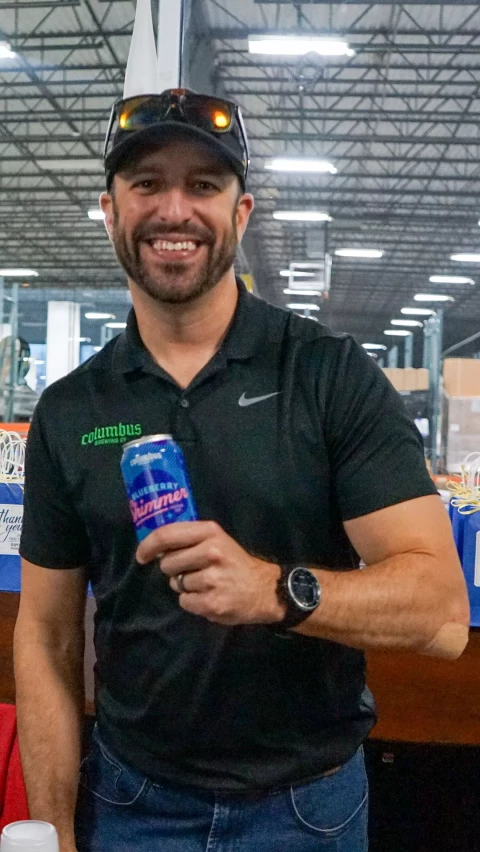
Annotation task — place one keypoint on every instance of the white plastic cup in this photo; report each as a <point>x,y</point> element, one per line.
<point>29,836</point>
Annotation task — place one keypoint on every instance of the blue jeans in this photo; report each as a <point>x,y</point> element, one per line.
<point>121,811</point>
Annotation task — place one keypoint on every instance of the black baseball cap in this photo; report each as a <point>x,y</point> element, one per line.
<point>138,123</point>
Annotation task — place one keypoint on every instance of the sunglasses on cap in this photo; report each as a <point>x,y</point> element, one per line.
<point>212,117</point>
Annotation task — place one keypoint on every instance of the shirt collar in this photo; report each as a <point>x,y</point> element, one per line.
<point>244,337</point>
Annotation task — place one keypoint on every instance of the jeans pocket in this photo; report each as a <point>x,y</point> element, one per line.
<point>330,806</point>
<point>102,775</point>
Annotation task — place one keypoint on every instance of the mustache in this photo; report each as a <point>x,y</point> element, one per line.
<point>147,233</point>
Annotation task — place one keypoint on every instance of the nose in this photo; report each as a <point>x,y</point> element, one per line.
<point>174,206</point>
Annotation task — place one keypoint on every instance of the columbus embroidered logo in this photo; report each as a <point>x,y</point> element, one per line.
<point>117,434</point>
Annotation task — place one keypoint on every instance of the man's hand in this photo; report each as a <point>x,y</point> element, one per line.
<point>219,579</point>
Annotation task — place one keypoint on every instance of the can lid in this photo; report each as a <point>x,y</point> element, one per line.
<point>147,439</point>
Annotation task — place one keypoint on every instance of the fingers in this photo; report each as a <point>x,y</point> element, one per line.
<point>196,582</point>
<point>182,534</point>
<point>189,559</point>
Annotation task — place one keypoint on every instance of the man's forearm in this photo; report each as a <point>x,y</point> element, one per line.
<point>50,707</point>
<point>395,604</point>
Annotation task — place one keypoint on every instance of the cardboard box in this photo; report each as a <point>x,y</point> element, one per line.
<point>423,379</point>
<point>461,377</point>
<point>409,379</point>
<point>395,376</point>
<point>460,430</point>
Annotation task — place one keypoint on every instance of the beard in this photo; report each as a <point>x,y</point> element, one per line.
<point>174,283</point>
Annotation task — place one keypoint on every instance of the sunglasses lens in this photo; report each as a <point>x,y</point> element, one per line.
<point>137,113</point>
<point>220,120</point>
<point>208,113</point>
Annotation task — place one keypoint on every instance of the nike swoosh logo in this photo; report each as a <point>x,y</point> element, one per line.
<point>243,401</point>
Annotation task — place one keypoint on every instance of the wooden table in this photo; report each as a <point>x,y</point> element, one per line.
<point>423,699</point>
<point>419,699</point>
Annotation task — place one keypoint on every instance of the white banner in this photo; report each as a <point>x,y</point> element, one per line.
<point>11,517</point>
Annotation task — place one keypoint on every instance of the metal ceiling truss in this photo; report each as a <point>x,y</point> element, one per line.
<point>399,120</point>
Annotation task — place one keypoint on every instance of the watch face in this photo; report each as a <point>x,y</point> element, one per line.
<point>304,588</point>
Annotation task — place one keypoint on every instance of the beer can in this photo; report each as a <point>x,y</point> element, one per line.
<point>156,479</point>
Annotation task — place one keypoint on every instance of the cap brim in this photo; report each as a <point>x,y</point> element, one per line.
<point>159,134</point>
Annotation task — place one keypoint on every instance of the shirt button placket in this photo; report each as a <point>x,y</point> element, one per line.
<point>184,403</point>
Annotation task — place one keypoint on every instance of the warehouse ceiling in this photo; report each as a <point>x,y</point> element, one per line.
<point>398,120</point>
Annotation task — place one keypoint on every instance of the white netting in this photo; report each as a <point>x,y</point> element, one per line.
<point>12,456</point>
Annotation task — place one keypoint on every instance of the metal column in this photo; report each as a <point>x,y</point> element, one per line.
<point>2,287</point>
<point>392,357</point>
<point>13,378</point>
<point>2,319</point>
<point>63,339</point>
<point>408,354</point>
<point>432,360</point>
<point>106,334</point>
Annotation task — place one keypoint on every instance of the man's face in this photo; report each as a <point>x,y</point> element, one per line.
<point>175,219</point>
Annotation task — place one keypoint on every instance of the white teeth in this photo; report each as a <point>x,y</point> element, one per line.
<point>165,245</point>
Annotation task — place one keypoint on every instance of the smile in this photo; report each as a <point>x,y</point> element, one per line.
<point>167,245</point>
<point>171,250</point>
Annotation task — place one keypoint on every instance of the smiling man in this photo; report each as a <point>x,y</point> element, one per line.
<point>177,263</point>
<point>230,686</point>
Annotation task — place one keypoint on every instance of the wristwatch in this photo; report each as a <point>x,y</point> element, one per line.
<point>299,591</point>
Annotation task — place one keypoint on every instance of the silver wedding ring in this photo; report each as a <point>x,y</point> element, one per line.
<point>181,588</point>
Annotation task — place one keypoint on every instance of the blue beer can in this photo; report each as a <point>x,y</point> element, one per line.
<point>157,483</point>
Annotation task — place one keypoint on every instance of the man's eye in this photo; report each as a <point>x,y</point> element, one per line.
<point>205,186</point>
<point>144,184</point>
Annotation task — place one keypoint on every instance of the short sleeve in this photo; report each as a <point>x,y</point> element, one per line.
<point>53,535</point>
<point>375,449</point>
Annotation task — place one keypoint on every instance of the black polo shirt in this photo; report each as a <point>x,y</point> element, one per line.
<point>287,432</point>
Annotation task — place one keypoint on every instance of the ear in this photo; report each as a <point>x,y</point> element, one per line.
<point>106,205</point>
<point>245,206</point>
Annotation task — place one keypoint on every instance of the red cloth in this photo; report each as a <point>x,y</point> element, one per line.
<point>13,797</point>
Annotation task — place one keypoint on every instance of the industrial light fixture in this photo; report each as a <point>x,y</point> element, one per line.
<point>285,45</point>
<point>116,325</point>
<point>6,51</point>
<point>289,292</point>
<point>397,332</point>
<point>373,346</point>
<point>93,315</point>
<point>96,214</point>
<point>468,257</point>
<point>300,164</point>
<point>432,297</point>
<point>418,312</point>
<point>359,253</point>
<point>301,307</point>
<point>301,216</point>
<point>71,164</point>
<point>297,273</point>
<point>18,273</point>
<point>406,322</point>
<point>450,279</point>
